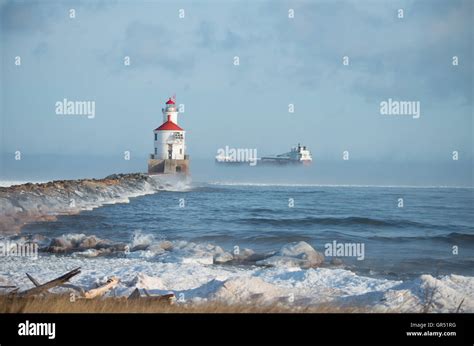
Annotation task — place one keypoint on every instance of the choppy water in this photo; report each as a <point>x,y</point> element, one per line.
<point>398,242</point>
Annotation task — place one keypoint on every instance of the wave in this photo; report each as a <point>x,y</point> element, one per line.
<point>269,239</point>
<point>334,221</point>
<point>452,238</point>
<point>218,183</point>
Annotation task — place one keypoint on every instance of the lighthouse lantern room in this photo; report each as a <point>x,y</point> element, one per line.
<point>169,144</point>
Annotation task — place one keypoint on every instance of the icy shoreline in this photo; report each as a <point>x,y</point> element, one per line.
<point>26,203</point>
<point>294,276</point>
<point>196,273</point>
<point>291,287</point>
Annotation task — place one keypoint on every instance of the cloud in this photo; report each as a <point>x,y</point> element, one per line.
<point>25,17</point>
<point>208,37</point>
<point>153,46</point>
<point>410,56</point>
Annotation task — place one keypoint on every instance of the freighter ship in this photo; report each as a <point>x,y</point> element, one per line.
<point>297,155</point>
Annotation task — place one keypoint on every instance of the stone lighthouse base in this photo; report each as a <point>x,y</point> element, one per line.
<point>168,166</point>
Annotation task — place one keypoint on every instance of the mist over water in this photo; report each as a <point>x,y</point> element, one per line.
<point>320,172</point>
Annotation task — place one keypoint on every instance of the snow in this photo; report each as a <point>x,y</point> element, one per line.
<point>297,254</point>
<point>198,282</point>
<point>7,183</point>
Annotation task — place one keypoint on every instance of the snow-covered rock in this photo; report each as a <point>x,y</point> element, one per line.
<point>297,254</point>
<point>249,289</point>
<point>22,204</point>
<point>223,258</point>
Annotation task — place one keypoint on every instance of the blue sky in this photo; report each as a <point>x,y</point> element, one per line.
<point>282,61</point>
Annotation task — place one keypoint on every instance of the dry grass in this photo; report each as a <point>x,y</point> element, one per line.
<point>62,304</point>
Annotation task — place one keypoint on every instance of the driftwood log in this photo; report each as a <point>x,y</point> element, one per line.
<point>33,280</point>
<point>101,290</point>
<point>38,289</point>
<point>164,298</point>
<point>13,289</point>
<point>62,281</point>
<point>135,294</point>
<point>93,293</point>
<point>36,283</point>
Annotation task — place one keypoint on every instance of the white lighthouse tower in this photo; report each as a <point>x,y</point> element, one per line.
<point>170,112</point>
<point>169,144</point>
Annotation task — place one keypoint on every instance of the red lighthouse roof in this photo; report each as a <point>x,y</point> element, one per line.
<point>169,126</point>
<point>170,102</point>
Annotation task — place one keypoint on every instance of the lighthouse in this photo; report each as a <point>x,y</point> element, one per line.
<point>169,156</point>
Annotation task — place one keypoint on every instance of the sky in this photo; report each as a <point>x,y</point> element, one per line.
<point>282,61</point>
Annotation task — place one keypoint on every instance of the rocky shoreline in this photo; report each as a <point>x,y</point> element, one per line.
<point>26,203</point>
